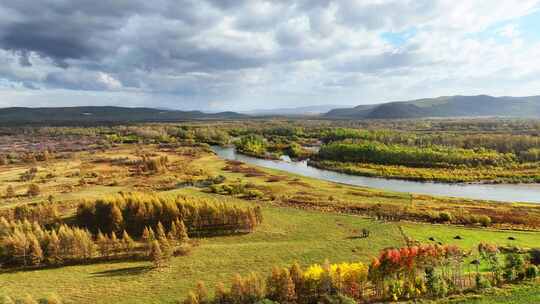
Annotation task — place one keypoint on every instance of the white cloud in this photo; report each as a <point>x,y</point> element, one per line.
<point>246,54</point>
<point>509,31</point>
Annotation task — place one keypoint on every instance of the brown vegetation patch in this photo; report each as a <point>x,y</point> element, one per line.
<point>274,179</point>
<point>247,171</point>
<point>301,184</point>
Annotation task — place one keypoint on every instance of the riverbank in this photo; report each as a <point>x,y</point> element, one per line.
<point>493,192</point>
<point>518,174</point>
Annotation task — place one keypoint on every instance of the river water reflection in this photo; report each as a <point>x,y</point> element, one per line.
<point>499,192</point>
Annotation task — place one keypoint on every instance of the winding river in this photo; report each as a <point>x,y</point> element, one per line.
<point>500,192</point>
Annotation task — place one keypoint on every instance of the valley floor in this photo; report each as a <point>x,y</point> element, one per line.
<point>302,232</point>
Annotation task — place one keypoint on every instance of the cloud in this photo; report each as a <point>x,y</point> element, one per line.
<point>509,31</point>
<point>248,54</point>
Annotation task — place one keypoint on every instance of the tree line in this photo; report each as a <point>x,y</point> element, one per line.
<point>27,244</point>
<point>435,156</point>
<point>408,273</point>
<point>503,143</point>
<point>135,211</point>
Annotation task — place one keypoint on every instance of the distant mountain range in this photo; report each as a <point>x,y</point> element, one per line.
<point>447,106</point>
<point>297,111</point>
<point>102,114</point>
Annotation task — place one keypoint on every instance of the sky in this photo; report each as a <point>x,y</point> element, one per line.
<point>217,55</point>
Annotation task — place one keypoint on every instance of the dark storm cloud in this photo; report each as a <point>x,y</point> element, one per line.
<point>42,39</point>
<point>62,30</point>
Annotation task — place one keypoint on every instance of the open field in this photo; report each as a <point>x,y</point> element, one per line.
<point>287,235</point>
<point>529,293</point>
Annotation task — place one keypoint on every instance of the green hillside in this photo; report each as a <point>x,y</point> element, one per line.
<point>450,106</point>
<point>104,114</point>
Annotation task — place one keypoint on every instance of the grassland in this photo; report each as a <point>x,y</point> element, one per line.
<point>305,220</point>
<point>529,293</point>
<point>287,235</point>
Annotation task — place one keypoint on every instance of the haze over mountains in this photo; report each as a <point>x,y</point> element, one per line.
<point>447,106</point>
<point>294,111</point>
<point>103,114</point>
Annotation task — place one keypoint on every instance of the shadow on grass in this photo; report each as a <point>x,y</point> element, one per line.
<point>356,237</point>
<point>126,271</point>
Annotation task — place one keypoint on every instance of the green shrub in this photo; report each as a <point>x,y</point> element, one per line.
<point>531,272</point>
<point>481,282</point>
<point>266,301</point>
<point>254,194</point>
<point>535,256</point>
<point>514,266</point>
<point>336,299</point>
<point>484,220</point>
<point>436,287</point>
<point>445,217</point>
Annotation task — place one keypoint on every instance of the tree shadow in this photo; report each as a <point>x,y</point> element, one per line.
<point>355,237</point>
<point>126,271</point>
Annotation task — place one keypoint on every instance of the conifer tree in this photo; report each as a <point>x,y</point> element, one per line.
<point>326,279</point>
<point>191,298</point>
<point>273,283</point>
<point>254,288</point>
<point>156,255</point>
<point>77,244</point>
<point>152,235</point>
<point>36,253</point>
<point>116,218</point>
<point>297,277</point>
<point>114,244</point>
<point>166,248</point>
<point>10,192</point>
<point>19,243</point>
<point>173,232</point>
<point>65,235</point>
<point>148,238</point>
<point>53,249</point>
<point>202,293</point>
<point>33,190</point>
<point>287,288</point>
<point>145,237</point>
<point>237,289</point>
<point>37,230</point>
<point>160,232</point>
<point>220,294</point>
<point>103,244</point>
<point>258,214</point>
<point>127,242</point>
<point>182,234</point>
<point>83,245</point>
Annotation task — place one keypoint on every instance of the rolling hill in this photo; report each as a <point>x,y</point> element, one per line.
<point>447,106</point>
<point>102,114</point>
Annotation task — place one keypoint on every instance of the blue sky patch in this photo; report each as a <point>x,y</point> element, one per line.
<point>398,39</point>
